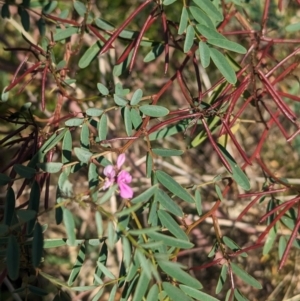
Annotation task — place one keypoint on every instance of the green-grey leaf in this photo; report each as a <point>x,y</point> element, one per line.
<point>26,215</point>
<point>196,294</point>
<point>145,196</point>
<point>154,111</point>
<point>226,44</point>
<point>169,223</point>
<point>74,122</point>
<point>237,174</point>
<point>164,152</point>
<point>171,241</point>
<point>70,226</point>
<point>82,154</point>
<point>24,171</point>
<point>245,276</point>
<point>80,8</point>
<point>9,206</point>
<point>89,55</point>
<point>173,186</point>
<point>94,112</point>
<point>102,127</point>
<point>127,121</point>
<point>13,257</point>
<point>51,167</point>
<point>77,265</point>
<point>168,203</point>
<point>208,32</point>
<point>141,286</point>
<point>208,7</point>
<point>198,201</point>
<point>4,94</point>
<point>293,27</point>
<point>135,118</point>
<point>136,97</point>
<point>102,89</point>
<point>223,65</point>
<point>222,278</point>
<point>4,179</point>
<point>183,20</point>
<point>154,53</point>
<point>37,245</point>
<point>65,33</point>
<point>204,54</point>
<point>120,101</point>
<point>189,38</point>
<point>174,292</point>
<point>200,16</point>
<point>50,7</point>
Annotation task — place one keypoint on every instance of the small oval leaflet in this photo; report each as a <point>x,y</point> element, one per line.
<point>189,39</point>
<point>82,154</point>
<point>102,89</point>
<point>13,257</point>
<point>204,54</point>
<point>164,152</point>
<point>80,8</point>
<point>37,245</point>
<point>89,55</point>
<point>24,171</point>
<point>154,111</point>
<point>51,167</point>
<point>94,112</point>
<point>74,122</point>
<point>136,97</point>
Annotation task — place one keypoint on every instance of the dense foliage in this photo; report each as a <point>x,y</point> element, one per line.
<point>127,130</point>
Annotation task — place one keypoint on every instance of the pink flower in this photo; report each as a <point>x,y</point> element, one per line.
<point>113,174</point>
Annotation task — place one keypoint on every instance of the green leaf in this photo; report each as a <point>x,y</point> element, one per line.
<point>49,7</point>
<point>54,242</point>
<point>127,120</point>
<point>94,112</point>
<point>37,245</point>
<point>74,122</point>
<point>204,54</point>
<point>141,286</point>
<point>136,97</point>
<point>24,171</point>
<point>171,241</point>
<point>270,240</point>
<point>105,25</point>
<point>25,19</point>
<point>26,215</point>
<point>174,270</point>
<point>9,206</point>
<point>196,294</point>
<point>37,290</point>
<point>105,270</point>
<point>70,226</point>
<point>145,196</point>
<point>102,258</point>
<point>85,137</point>
<point>65,33</point>
<point>135,118</point>
<point>237,174</point>
<point>169,183</point>
<point>164,152</point>
<point>223,65</point>
<point>122,67</point>
<point>168,203</point>
<point>168,131</point>
<point>5,13</point>
<point>174,292</point>
<point>102,127</point>
<point>154,111</point>
<point>189,38</point>
<point>281,246</point>
<point>120,101</point>
<point>222,278</point>
<point>167,2</point>
<point>183,20</point>
<point>99,223</point>
<point>149,164</point>
<point>4,179</point>
<point>293,27</point>
<point>77,265</point>
<point>208,7</point>
<point>230,243</point>
<point>102,89</point>
<point>219,192</point>
<point>239,296</point>
<point>153,293</point>
<point>89,55</point>
<point>226,44</point>
<point>13,258</point>
<point>51,167</point>
<point>154,53</point>
<point>200,16</point>
<point>171,225</point>
<point>245,276</point>
<point>80,8</point>
<point>4,94</point>
<point>82,154</point>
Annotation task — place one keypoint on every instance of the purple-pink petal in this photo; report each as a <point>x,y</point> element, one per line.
<point>126,192</point>
<point>124,177</point>
<point>109,171</point>
<point>120,160</point>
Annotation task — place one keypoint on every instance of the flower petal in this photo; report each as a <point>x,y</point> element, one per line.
<point>109,171</point>
<point>124,177</point>
<point>108,182</point>
<point>126,192</point>
<point>120,160</point>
